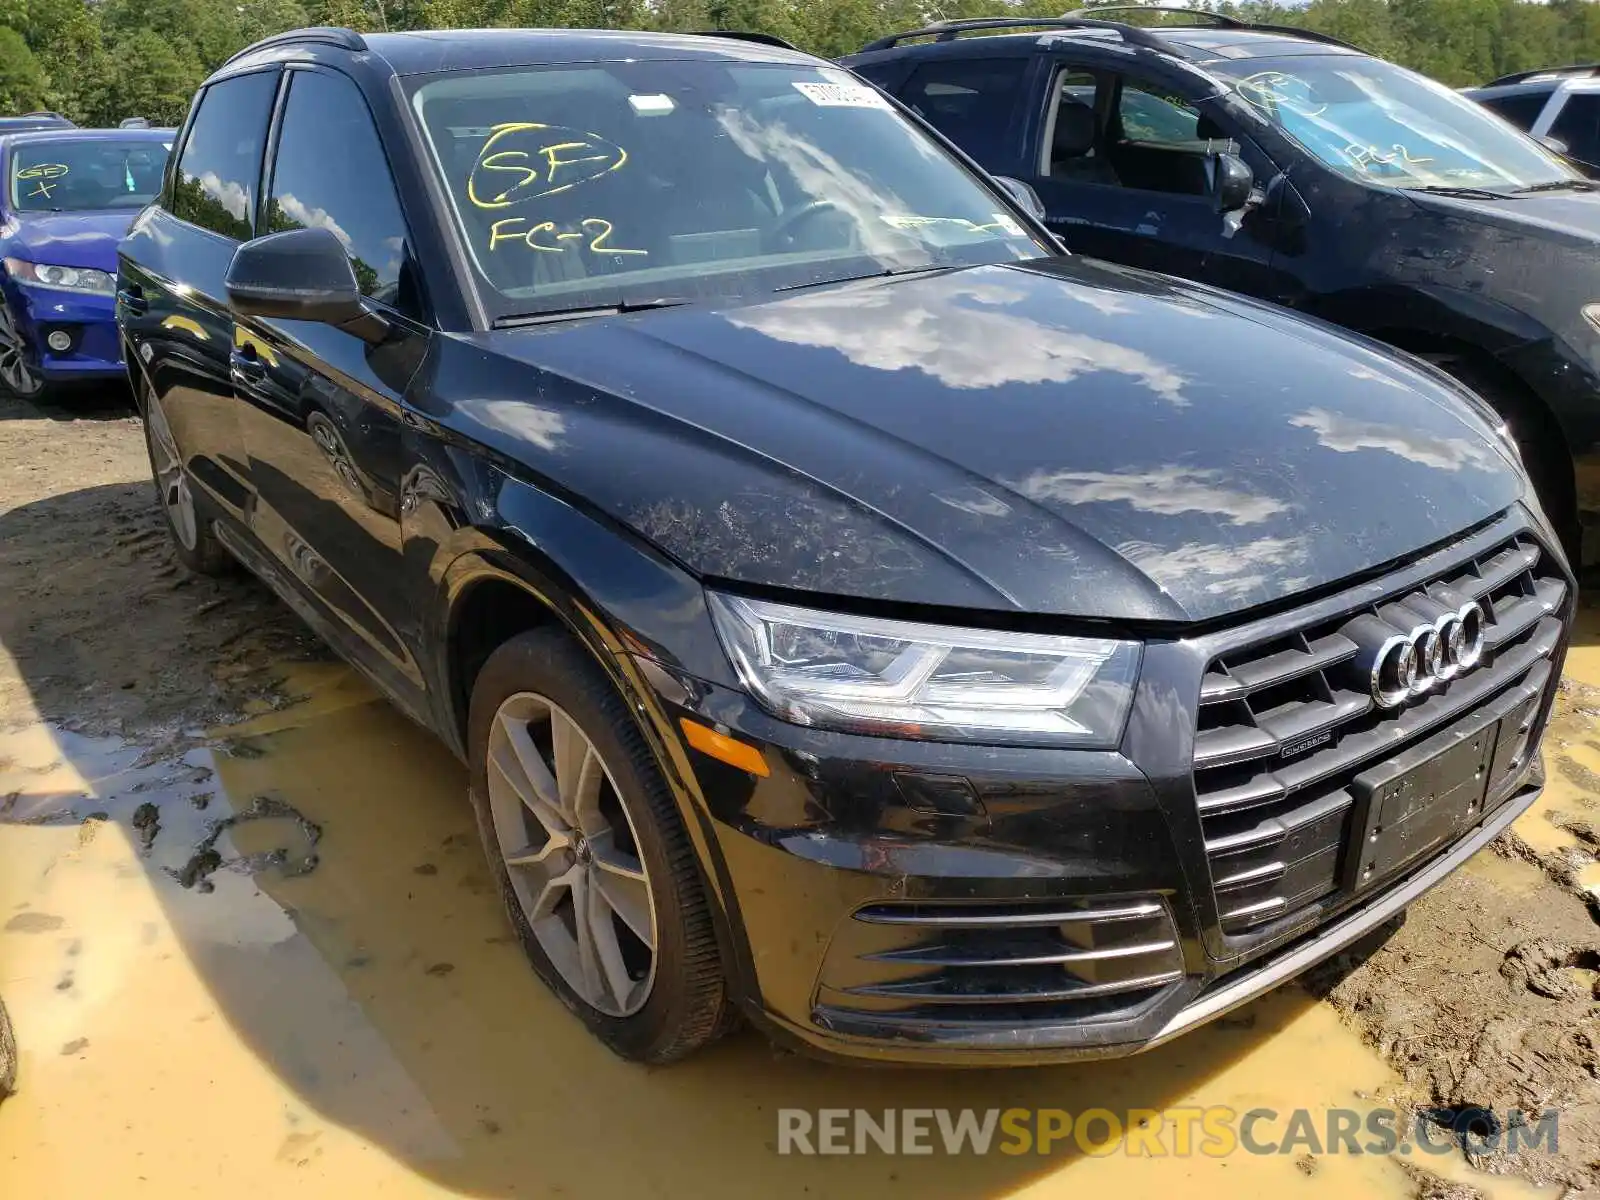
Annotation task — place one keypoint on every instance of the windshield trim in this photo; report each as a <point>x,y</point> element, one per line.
<point>489,306</point>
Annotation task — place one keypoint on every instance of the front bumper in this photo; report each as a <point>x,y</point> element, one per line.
<point>90,321</point>
<point>935,903</point>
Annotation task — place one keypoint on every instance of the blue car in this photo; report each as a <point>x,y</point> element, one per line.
<point>69,197</point>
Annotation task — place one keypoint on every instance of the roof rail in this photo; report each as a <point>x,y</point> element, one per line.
<point>1310,35</point>
<point>947,31</point>
<point>1524,76</point>
<point>739,35</point>
<point>1219,21</point>
<point>327,35</point>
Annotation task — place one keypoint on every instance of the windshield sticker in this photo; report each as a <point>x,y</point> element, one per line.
<point>592,233</point>
<point>651,106</point>
<point>42,175</point>
<point>524,160</point>
<point>842,95</point>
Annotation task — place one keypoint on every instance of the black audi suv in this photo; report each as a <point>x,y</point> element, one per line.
<point>853,611</point>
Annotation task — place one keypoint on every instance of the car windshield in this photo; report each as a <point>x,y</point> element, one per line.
<point>1379,123</point>
<point>72,176</point>
<point>630,182</point>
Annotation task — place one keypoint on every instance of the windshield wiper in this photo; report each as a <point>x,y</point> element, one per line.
<point>1557,185</point>
<point>888,274</point>
<point>1466,193</point>
<point>586,310</point>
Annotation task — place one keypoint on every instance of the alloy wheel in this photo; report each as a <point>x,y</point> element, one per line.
<point>568,842</point>
<point>171,479</point>
<point>14,369</point>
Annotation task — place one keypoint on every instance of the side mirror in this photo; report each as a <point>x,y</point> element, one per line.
<point>300,275</point>
<point>1554,144</point>
<point>1026,198</point>
<point>1231,181</point>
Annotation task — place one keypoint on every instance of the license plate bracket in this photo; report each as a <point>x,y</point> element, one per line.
<point>1419,800</point>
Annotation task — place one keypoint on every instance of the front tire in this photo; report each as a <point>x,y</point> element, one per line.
<point>585,841</point>
<point>19,378</point>
<point>8,1054</point>
<point>193,541</point>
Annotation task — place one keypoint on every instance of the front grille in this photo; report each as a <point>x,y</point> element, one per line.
<point>1001,961</point>
<point>1284,730</point>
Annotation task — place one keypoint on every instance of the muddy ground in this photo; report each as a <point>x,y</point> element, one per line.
<point>1488,996</point>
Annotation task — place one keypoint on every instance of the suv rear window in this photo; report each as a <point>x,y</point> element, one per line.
<point>220,167</point>
<point>1578,125</point>
<point>1522,110</point>
<point>967,100</point>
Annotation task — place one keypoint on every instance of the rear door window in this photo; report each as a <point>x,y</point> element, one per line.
<point>220,167</point>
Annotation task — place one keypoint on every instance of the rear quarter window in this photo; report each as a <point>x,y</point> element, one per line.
<point>1521,110</point>
<point>968,100</point>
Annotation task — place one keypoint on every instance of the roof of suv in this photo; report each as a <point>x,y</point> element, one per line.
<point>1195,43</point>
<point>467,49</point>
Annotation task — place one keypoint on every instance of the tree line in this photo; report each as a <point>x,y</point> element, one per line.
<point>98,62</point>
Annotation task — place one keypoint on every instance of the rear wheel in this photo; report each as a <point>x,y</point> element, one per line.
<point>193,541</point>
<point>593,862</point>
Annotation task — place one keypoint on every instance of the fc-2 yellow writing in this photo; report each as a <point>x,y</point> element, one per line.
<point>551,238</point>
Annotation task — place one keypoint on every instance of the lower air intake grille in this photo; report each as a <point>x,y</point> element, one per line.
<point>1287,725</point>
<point>1018,961</point>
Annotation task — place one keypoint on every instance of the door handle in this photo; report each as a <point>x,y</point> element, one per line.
<point>247,365</point>
<point>132,299</point>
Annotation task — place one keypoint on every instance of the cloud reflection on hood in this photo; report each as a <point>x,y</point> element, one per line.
<point>965,337</point>
<point>1236,573</point>
<point>1349,434</point>
<point>1165,490</point>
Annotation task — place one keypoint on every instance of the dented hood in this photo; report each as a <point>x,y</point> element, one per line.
<point>1063,437</point>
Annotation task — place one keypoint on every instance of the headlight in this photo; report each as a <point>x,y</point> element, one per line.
<point>68,279</point>
<point>939,682</point>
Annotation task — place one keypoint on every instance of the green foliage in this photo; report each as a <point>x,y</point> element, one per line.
<point>22,79</point>
<point>99,61</point>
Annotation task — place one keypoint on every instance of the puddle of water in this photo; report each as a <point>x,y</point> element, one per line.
<point>1508,874</point>
<point>365,1026</point>
<point>1583,656</point>
<point>1589,879</point>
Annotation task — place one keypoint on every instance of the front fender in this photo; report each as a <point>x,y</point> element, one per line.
<point>606,588</point>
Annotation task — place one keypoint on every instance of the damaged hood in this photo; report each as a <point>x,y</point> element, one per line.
<point>72,239</point>
<point>1059,437</point>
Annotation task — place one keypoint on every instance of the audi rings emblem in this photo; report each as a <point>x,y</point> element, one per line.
<point>1414,645</point>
